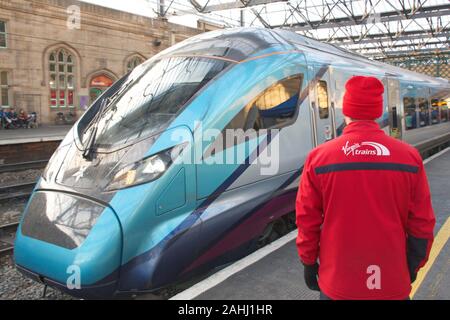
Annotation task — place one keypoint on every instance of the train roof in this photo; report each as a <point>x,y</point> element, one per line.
<point>238,44</point>
<point>235,44</point>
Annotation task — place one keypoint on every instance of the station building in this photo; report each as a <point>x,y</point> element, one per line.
<point>53,59</point>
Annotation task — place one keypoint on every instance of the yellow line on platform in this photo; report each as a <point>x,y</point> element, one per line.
<point>439,242</point>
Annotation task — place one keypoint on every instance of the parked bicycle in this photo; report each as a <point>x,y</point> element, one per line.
<point>68,118</point>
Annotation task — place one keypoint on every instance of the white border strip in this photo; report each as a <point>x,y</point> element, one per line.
<point>434,156</point>
<point>224,274</point>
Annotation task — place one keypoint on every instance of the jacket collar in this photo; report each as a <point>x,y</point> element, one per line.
<point>362,126</point>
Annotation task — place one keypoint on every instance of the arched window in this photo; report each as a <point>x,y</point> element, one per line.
<point>61,79</point>
<point>134,62</point>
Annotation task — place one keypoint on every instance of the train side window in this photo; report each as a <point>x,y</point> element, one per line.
<point>424,115</point>
<point>435,111</point>
<point>409,108</point>
<point>444,110</point>
<point>322,99</point>
<point>275,107</point>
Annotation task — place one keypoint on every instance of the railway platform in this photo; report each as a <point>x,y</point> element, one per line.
<point>40,134</point>
<point>275,272</point>
<point>29,146</point>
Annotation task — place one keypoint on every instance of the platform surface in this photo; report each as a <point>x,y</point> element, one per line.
<point>279,274</point>
<point>417,137</point>
<point>42,133</point>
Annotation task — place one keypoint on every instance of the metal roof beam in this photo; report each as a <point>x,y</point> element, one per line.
<point>260,18</point>
<point>424,12</point>
<point>238,4</point>
<point>400,38</point>
<point>412,53</point>
<point>361,50</point>
<point>428,56</point>
<point>383,37</point>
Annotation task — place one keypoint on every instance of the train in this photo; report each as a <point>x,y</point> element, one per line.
<point>192,160</point>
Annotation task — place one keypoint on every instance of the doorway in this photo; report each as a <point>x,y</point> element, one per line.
<point>98,85</point>
<point>323,108</point>
<point>394,108</point>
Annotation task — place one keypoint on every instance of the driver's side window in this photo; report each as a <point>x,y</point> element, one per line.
<point>275,107</point>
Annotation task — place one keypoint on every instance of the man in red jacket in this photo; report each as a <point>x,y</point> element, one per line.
<point>363,207</point>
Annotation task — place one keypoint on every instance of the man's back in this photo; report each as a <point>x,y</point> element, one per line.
<point>366,192</point>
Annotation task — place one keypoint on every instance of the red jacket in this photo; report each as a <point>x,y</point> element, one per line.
<point>364,209</point>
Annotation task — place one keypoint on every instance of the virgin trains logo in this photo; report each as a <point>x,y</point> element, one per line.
<point>366,148</point>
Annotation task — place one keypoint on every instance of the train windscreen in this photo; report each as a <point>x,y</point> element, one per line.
<point>146,104</point>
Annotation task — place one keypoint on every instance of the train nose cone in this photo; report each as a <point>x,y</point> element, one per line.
<point>70,242</point>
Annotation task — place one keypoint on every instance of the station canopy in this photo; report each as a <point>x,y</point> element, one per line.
<point>380,29</point>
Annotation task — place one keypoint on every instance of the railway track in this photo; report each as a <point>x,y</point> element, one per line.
<point>11,192</point>
<point>14,167</point>
<point>7,235</point>
<point>16,191</point>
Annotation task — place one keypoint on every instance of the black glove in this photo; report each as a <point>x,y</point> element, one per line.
<point>412,276</point>
<point>310,274</point>
<point>416,252</point>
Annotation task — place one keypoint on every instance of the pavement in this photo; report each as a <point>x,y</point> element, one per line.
<point>42,133</point>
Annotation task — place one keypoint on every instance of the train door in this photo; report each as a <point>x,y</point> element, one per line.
<point>394,108</point>
<point>322,107</point>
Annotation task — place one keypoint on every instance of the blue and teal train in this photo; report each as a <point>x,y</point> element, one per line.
<point>147,189</point>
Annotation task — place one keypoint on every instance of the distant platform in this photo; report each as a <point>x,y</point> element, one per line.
<point>428,137</point>
<point>40,134</point>
<point>274,272</point>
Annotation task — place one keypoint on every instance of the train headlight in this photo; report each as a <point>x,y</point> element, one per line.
<point>145,170</point>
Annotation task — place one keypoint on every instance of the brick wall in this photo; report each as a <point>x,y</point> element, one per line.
<point>25,152</point>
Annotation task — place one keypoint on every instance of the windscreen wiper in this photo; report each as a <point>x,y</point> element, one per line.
<point>117,94</point>
<point>87,153</point>
<point>111,99</point>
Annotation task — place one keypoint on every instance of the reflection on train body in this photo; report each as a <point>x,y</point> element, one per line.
<point>417,112</point>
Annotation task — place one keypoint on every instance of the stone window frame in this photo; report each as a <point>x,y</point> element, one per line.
<point>61,68</point>
<point>4,33</point>
<point>78,72</point>
<point>5,86</point>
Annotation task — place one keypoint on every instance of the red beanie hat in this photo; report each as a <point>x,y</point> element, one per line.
<point>363,99</point>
